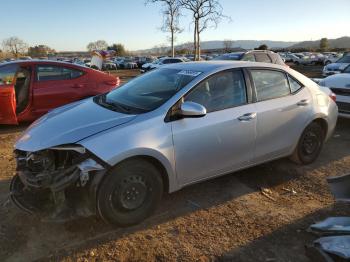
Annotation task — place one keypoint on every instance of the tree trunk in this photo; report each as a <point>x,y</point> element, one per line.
<point>195,40</point>
<point>172,44</point>
<point>198,44</point>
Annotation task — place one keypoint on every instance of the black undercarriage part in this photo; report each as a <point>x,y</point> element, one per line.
<point>55,184</point>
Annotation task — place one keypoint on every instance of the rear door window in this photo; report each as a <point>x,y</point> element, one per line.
<point>248,57</point>
<point>270,84</point>
<point>261,57</point>
<point>49,73</point>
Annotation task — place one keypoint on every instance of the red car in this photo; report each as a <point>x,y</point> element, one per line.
<point>29,89</point>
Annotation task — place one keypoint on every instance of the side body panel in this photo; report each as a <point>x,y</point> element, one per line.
<point>214,144</point>
<point>50,94</point>
<point>7,105</point>
<point>145,137</point>
<point>280,122</point>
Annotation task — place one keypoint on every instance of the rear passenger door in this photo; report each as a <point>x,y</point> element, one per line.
<point>283,109</point>
<point>56,85</point>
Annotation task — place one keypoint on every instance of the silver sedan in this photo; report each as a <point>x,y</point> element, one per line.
<point>115,154</point>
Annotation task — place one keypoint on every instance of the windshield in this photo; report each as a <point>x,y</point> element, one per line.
<point>147,92</point>
<point>344,59</point>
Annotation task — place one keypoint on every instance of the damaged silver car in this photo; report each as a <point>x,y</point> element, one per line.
<point>115,154</point>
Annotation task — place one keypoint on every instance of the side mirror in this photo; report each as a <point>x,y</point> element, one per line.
<point>192,109</point>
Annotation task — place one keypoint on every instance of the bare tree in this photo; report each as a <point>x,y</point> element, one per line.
<point>205,13</point>
<point>15,46</point>
<point>228,44</point>
<point>171,14</point>
<point>97,45</point>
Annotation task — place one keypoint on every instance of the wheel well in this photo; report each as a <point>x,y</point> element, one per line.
<point>323,124</point>
<point>158,165</point>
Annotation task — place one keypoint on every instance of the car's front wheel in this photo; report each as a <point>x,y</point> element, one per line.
<point>130,193</point>
<point>309,145</point>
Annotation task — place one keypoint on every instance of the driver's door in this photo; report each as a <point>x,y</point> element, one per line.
<point>223,140</point>
<point>7,94</point>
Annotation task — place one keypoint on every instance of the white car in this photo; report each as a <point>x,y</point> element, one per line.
<point>161,62</point>
<point>332,58</point>
<point>340,85</point>
<point>338,66</point>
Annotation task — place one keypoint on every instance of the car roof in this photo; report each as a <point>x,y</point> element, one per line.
<point>42,61</point>
<point>208,66</point>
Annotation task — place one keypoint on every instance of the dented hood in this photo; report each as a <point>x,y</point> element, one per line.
<point>70,124</point>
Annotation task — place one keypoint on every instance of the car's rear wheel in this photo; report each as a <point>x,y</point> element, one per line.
<point>130,193</point>
<point>309,145</point>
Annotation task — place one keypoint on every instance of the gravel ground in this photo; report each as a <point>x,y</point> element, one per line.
<point>225,219</point>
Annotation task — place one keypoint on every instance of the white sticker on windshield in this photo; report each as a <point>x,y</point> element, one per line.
<point>189,73</point>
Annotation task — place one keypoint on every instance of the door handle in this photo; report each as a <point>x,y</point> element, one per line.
<point>303,102</point>
<point>247,117</point>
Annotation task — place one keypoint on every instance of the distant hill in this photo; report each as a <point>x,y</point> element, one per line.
<point>342,42</point>
<point>245,44</point>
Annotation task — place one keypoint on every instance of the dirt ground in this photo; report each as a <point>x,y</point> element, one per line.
<point>225,219</point>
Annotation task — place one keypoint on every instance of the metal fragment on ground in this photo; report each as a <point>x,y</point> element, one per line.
<point>332,226</point>
<point>340,187</point>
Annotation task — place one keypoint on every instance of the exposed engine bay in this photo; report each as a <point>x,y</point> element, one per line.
<point>60,183</point>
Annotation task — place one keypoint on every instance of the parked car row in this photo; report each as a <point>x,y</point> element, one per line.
<point>340,85</point>
<point>310,58</point>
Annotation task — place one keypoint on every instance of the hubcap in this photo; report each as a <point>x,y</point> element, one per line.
<point>310,143</point>
<point>131,194</point>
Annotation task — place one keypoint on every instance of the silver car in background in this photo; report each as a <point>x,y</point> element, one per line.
<point>115,154</point>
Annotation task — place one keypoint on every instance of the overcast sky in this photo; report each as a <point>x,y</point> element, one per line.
<point>72,24</point>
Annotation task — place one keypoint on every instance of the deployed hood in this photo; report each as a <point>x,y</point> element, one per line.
<point>336,66</point>
<point>70,124</point>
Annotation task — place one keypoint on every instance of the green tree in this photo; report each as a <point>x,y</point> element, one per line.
<point>97,45</point>
<point>262,47</point>
<point>118,48</point>
<point>324,44</point>
<point>15,46</point>
<point>40,51</point>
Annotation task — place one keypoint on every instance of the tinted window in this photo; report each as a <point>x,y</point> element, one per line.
<point>294,85</point>
<point>249,57</point>
<point>344,59</point>
<point>347,70</point>
<point>270,84</point>
<point>48,72</point>
<point>149,91</point>
<point>7,74</point>
<point>166,61</point>
<point>262,58</point>
<point>224,90</point>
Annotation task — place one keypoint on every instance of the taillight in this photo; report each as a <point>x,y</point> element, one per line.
<point>333,96</point>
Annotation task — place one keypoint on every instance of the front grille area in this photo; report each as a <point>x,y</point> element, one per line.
<point>341,91</point>
<point>343,107</point>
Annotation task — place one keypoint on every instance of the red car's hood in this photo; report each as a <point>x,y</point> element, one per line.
<point>70,124</point>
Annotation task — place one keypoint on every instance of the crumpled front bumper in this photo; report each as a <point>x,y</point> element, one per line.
<point>58,195</point>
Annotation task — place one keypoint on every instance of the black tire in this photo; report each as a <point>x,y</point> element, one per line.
<point>130,193</point>
<point>309,145</point>
<point>296,63</point>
